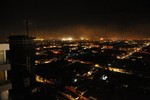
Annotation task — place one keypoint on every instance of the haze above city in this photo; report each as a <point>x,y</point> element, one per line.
<point>87,19</point>
<point>74,50</point>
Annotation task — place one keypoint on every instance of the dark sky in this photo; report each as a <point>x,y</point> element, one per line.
<point>76,18</point>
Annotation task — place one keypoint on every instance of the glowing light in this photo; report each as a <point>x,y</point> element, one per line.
<point>125,85</point>
<point>39,79</point>
<point>55,51</point>
<point>96,65</point>
<point>118,70</point>
<point>42,80</point>
<point>70,39</point>
<point>37,53</point>
<point>104,77</point>
<point>147,44</point>
<point>37,48</point>
<point>75,80</point>
<point>37,62</point>
<point>89,73</point>
<point>82,38</point>
<point>67,39</point>
<point>38,39</point>
<point>109,64</point>
<point>101,39</point>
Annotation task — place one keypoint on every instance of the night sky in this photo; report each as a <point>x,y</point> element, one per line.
<point>76,18</point>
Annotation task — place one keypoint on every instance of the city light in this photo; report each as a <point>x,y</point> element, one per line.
<point>75,50</point>
<point>38,39</point>
<point>67,39</point>
<point>104,77</point>
<point>101,39</point>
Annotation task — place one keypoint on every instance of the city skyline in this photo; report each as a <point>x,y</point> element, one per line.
<point>58,19</point>
<point>74,50</point>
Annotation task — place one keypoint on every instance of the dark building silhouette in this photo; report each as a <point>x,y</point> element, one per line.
<point>22,54</point>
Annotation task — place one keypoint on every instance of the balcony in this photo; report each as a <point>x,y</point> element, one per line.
<point>4,67</point>
<point>5,85</point>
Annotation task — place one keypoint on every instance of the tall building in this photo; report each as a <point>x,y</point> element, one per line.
<point>5,84</point>
<point>22,54</point>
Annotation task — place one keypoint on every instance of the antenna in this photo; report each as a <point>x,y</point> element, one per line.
<point>27,28</point>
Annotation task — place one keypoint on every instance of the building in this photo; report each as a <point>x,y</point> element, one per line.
<point>22,54</point>
<point>5,84</point>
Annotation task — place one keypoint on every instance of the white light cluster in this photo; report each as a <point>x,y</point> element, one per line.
<point>67,39</point>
